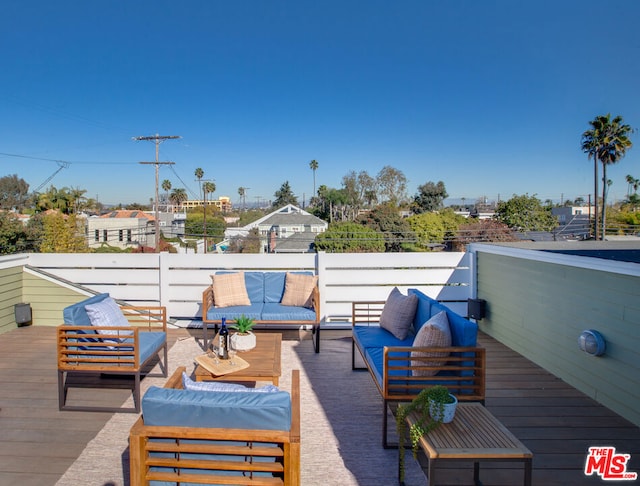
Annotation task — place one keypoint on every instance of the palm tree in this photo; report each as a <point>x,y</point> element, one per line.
<point>591,142</point>
<point>178,196</point>
<point>313,165</point>
<point>166,186</point>
<point>77,195</point>
<point>607,141</point>
<point>199,173</point>
<point>633,184</point>
<point>207,187</point>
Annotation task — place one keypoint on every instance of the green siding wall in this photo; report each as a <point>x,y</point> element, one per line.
<point>10,294</point>
<point>539,309</point>
<point>47,299</point>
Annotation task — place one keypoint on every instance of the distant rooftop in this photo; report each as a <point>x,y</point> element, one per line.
<point>624,250</point>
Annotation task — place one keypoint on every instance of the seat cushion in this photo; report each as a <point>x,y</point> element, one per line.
<point>398,313</point>
<point>279,312</point>
<point>253,311</point>
<point>150,342</point>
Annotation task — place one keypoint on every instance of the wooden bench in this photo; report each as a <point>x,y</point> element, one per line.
<point>265,289</point>
<point>392,367</point>
<point>221,455</point>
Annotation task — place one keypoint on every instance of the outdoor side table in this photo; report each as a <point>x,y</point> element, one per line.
<point>475,434</point>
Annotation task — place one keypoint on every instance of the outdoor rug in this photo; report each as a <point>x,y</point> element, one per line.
<point>341,440</point>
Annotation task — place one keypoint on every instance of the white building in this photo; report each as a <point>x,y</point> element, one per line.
<point>122,229</point>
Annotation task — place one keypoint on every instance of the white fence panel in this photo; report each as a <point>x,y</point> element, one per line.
<point>345,278</point>
<point>406,276</point>
<point>178,280</point>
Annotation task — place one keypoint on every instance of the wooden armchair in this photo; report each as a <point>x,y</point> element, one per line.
<point>206,455</point>
<point>86,357</point>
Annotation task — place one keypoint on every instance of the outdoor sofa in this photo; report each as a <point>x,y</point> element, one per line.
<point>399,366</point>
<point>196,436</point>
<point>270,298</point>
<point>100,338</point>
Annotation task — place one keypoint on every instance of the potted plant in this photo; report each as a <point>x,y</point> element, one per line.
<point>243,339</point>
<point>432,406</point>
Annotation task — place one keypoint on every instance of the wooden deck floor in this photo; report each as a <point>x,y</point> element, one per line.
<point>558,423</point>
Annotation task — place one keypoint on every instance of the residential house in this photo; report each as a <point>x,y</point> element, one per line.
<point>286,230</point>
<point>172,224</point>
<point>121,228</point>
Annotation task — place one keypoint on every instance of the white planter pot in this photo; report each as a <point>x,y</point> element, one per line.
<point>448,412</point>
<point>243,342</point>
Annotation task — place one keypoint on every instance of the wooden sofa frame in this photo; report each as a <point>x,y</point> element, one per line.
<point>122,358</point>
<point>209,301</point>
<point>174,441</point>
<point>468,364</point>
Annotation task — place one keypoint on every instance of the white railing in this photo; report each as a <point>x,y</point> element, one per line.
<point>177,280</point>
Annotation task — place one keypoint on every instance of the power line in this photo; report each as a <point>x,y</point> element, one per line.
<point>21,156</point>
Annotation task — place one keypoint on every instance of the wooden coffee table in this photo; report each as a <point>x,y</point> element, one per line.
<point>475,434</point>
<point>264,362</point>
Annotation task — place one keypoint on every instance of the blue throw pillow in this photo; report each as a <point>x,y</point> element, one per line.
<point>218,386</point>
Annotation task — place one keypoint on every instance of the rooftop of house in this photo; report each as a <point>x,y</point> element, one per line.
<point>126,213</point>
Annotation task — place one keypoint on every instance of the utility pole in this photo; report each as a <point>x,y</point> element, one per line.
<point>158,139</point>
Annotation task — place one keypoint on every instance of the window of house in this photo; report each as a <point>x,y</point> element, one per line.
<point>120,235</point>
<point>128,236</point>
<point>104,235</point>
<point>97,235</point>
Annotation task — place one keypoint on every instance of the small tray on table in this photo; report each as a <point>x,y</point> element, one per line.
<point>222,366</point>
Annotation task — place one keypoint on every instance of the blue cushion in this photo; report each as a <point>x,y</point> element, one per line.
<point>253,311</point>
<point>254,281</point>
<point>274,286</point>
<point>463,331</point>
<point>221,386</point>
<point>235,410</point>
<point>376,337</point>
<point>372,340</point>
<point>375,357</point>
<point>279,312</point>
<point>76,313</point>
<point>423,309</point>
<point>149,343</point>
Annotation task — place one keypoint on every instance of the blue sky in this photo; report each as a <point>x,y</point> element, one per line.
<point>491,97</point>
